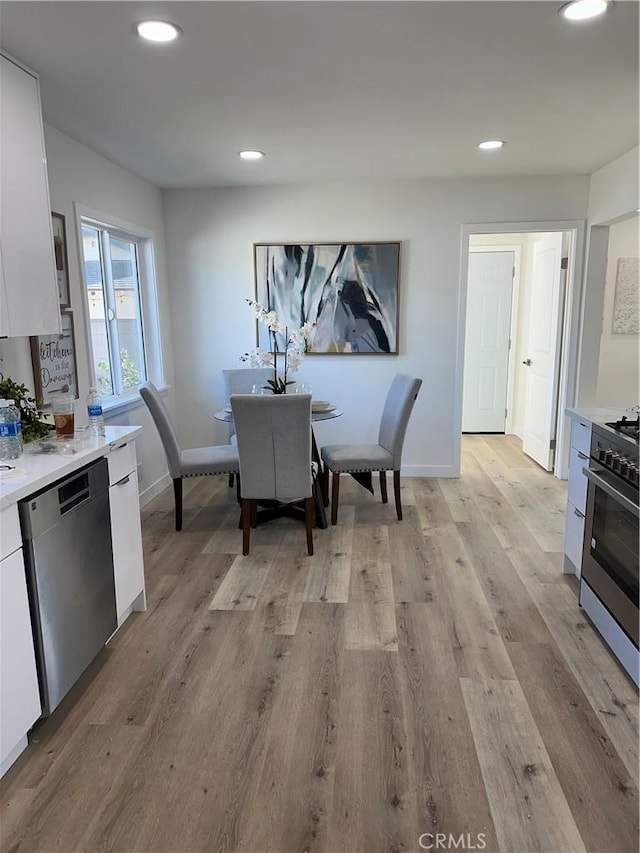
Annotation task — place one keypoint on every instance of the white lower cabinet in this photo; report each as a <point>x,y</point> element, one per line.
<point>19,694</point>
<point>576,496</point>
<point>126,532</point>
<point>573,538</point>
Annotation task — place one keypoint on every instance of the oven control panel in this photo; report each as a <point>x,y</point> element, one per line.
<point>624,466</point>
<point>619,464</point>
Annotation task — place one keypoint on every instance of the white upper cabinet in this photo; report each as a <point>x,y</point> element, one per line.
<point>29,294</point>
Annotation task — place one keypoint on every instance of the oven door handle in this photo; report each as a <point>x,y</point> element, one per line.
<point>601,483</point>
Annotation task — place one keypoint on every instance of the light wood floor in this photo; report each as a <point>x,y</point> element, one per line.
<point>423,677</point>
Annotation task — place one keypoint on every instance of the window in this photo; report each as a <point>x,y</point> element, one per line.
<point>119,283</point>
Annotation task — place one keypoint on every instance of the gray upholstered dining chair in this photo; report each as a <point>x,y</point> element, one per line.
<point>274,446</point>
<point>195,462</point>
<point>240,380</point>
<point>384,456</point>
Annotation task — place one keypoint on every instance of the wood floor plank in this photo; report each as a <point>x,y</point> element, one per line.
<point>432,509</point>
<point>14,811</point>
<point>374,803</point>
<point>96,762</point>
<point>444,759</point>
<point>533,566</point>
<point>188,788</point>
<point>292,796</point>
<point>412,560</point>
<point>601,794</point>
<point>473,634</point>
<point>529,809</point>
<point>371,618</point>
<point>329,574</point>
<point>282,594</point>
<point>461,497</point>
<point>515,614</point>
<point>245,579</point>
<point>608,689</point>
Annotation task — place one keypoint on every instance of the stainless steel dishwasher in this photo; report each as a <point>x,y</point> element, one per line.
<point>66,531</point>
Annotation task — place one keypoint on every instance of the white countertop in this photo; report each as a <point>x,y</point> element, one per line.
<point>34,471</point>
<point>597,415</point>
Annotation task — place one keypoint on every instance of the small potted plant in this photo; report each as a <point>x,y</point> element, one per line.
<point>33,427</point>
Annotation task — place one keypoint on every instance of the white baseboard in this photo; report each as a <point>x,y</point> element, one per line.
<point>429,471</point>
<point>152,491</point>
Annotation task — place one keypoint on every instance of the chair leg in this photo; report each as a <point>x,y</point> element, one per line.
<point>396,493</point>
<point>177,494</point>
<point>309,520</point>
<point>246,525</point>
<point>230,480</point>
<point>324,483</point>
<point>383,486</point>
<point>238,498</point>
<point>335,491</point>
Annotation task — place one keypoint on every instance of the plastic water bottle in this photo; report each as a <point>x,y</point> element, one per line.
<point>10,431</point>
<point>94,410</point>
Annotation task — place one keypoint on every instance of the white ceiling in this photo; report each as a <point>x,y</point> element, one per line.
<point>335,90</point>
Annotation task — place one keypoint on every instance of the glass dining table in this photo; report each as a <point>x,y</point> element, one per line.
<point>320,411</point>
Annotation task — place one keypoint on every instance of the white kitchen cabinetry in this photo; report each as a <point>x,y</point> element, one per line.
<point>29,297</point>
<point>126,532</point>
<point>576,496</point>
<point>19,694</point>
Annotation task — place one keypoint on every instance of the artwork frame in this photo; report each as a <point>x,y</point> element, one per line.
<point>59,228</point>
<point>625,318</point>
<point>54,361</point>
<point>350,291</point>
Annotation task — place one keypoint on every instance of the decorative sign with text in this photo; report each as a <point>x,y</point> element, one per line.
<point>54,362</point>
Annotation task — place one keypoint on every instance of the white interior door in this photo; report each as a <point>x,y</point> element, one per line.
<point>486,358</point>
<point>544,350</point>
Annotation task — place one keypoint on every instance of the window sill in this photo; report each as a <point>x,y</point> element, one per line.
<point>133,401</point>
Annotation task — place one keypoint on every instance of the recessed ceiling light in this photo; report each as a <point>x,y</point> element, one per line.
<point>160,31</point>
<point>491,144</point>
<point>251,155</point>
<point>582,10</point>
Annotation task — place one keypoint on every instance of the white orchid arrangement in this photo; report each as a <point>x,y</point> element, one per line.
<point>292,352</point>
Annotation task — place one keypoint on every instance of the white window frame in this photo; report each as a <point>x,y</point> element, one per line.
<point>145,240</point>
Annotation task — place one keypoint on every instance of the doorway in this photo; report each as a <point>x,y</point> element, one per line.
<point>518,319</point>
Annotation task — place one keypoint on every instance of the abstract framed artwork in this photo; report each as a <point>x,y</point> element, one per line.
<point>348,291</point>
<point>625,302</point>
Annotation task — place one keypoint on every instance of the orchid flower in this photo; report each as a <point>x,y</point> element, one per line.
<point>295,346</point>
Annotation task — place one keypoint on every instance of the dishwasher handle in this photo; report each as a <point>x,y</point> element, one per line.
<point>73,493</point>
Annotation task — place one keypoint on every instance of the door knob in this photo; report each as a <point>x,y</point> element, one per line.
<point>527,361</point>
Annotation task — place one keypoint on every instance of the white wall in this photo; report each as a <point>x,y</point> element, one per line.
<point>614,196</point>
<point>618,367</point>
<point>210,236</point>
<point>78,174</point>
<point>614,190</point>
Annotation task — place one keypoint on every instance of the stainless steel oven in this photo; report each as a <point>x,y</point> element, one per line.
<point>610,557</point>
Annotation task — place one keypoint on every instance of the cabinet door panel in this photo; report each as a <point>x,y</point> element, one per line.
<point>28,262</point>
<point>577,491</point>
<point>573,536</point>
<point>127,543</point>
<point>581,436</point>
<point>19,694</point>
